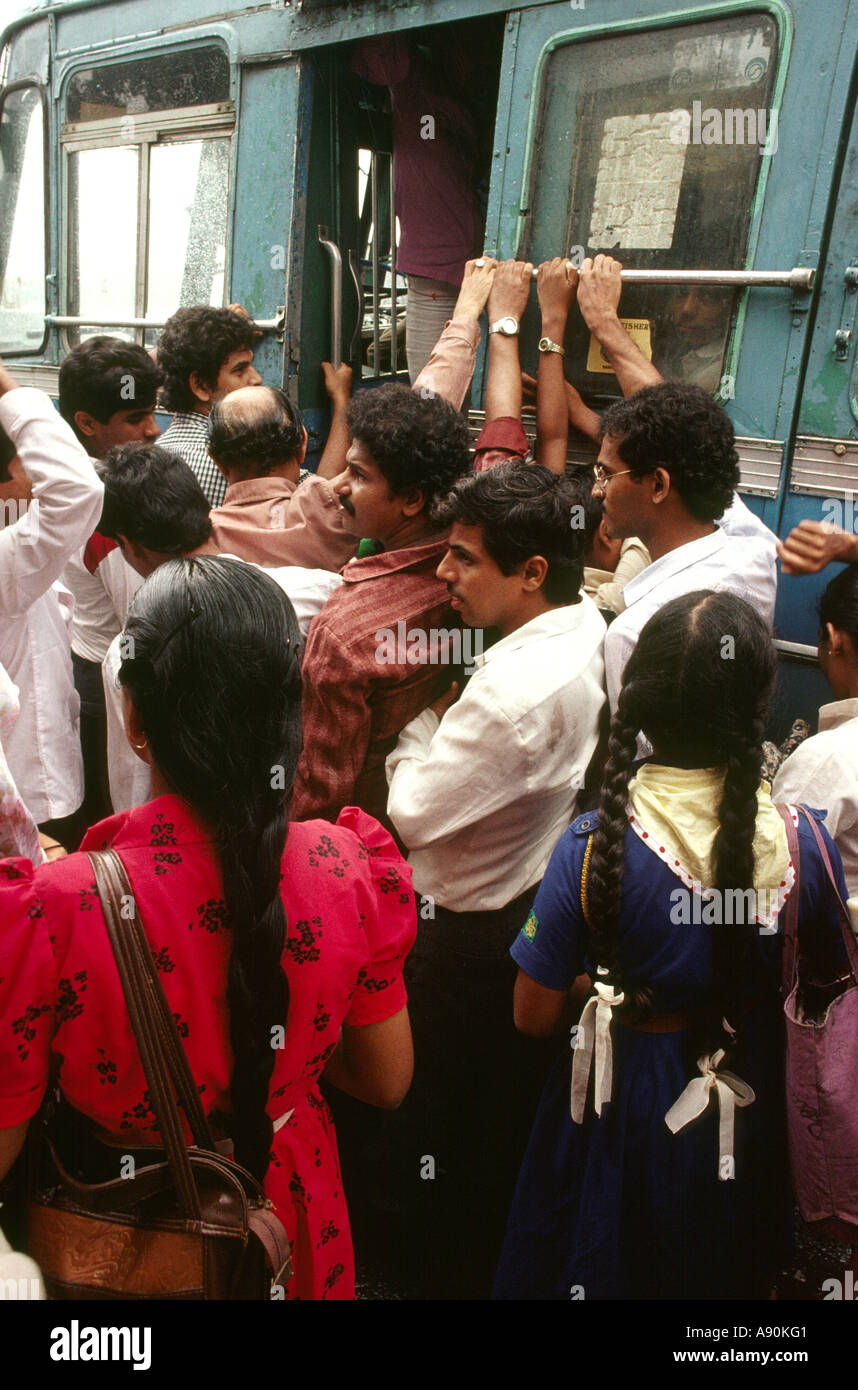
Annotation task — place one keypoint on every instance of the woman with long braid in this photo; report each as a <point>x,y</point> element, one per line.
<point>666,1175</point>
<point>280,946</point>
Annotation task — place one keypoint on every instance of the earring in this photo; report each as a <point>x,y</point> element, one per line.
<point>139,746</point>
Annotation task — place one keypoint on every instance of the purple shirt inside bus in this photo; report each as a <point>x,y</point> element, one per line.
<point>434,143</point>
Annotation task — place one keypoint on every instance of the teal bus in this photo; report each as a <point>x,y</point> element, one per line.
<point>153,156</point>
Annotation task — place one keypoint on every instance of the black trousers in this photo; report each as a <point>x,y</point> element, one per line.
<point>431,1185</point>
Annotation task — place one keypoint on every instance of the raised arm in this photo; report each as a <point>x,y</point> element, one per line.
<point>555,286</point>
<point>67,497</point>
<point>338,384</point>
<point>450,368</point>
<point>507,300</point>
<point>599,289</point>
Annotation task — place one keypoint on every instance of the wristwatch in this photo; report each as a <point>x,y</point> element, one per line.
<point>507,327</point>
<point>546,345</point>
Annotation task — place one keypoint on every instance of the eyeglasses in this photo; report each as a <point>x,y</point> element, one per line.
<point>603,477</point>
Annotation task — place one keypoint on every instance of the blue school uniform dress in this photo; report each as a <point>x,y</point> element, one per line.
<point>618,1206</point>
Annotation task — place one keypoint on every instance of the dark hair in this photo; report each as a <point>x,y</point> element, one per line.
<point>215,680</point>
<point>8,450</point>
<point>416,442</point>
<point>152,496</point>
<point>522,511</point>
<point>839,603</point>
<point>255,435</point>
<point>679,428</point>
<point>104,375</point>
<point>199,339</point>
<point>698,709</point>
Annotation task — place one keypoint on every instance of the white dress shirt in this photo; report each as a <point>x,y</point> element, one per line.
<point>823,773</point>
<point>103,586</point>
<point>308,591</point>
<point>482,797</point>
<point>43,748</point>
<point>740,563</point>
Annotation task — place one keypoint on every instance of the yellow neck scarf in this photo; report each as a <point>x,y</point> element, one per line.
<point>674,810</point>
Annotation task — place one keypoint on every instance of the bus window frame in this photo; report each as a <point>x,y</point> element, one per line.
<point>785,26</point>
<point>213,120</point>
<point>20,84</point>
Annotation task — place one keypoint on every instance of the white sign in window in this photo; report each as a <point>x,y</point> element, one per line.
<point>637,183</point>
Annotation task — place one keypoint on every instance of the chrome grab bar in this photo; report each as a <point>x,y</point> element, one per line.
<point>336,297</point>
<point>275,325</point>
<point>799,278</point>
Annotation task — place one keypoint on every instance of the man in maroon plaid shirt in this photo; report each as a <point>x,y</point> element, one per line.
<point>377,654</point>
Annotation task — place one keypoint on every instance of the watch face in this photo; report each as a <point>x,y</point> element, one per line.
<point>508,326</point>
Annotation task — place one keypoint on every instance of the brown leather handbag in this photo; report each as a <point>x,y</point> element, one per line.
<point>188,1222</point>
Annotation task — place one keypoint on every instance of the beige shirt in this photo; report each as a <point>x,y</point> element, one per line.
<point>274,522</point>
<point>606,588</point>
<point>823,773</point>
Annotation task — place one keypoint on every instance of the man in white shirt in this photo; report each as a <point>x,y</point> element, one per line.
<point>823,771</point>
<point>155,510</point>
<point>480,792</point>
<point>107,392</point>
<point>42,748</point>
<point>668,471</point>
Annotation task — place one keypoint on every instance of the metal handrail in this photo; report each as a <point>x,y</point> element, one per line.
<point>336,296</point>
<point>799,278</point>
<point>275,325</point>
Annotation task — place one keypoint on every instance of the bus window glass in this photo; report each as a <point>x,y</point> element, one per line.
<point>166,82</point>
<point>187,225</point>
<point>103,218</point>
<point>22,226</point>
<point>649,146</point>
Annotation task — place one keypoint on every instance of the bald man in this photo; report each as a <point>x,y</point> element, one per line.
<point>258,442</point>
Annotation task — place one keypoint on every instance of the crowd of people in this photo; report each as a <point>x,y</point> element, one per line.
<point>407,759</point>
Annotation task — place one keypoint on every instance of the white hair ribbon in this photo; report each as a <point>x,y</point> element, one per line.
<point>729,1090</point>
<point>594,1036</point>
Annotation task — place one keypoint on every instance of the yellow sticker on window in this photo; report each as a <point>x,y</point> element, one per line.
<point>638,331</point>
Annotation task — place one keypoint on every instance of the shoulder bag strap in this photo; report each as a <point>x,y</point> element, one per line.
<point>159,1013</point>
<point>791,918</point>
<point>845,921</point>
<point>143,1010</point>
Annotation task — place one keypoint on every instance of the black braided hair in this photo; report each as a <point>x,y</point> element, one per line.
<point>216,683</point>
<point>698,685</point>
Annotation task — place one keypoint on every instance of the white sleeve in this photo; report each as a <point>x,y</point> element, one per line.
<point>66,505</point>
<point>445,778</point>
<point>128,775</point>
<point>813,776</point>
<point>308,590</point>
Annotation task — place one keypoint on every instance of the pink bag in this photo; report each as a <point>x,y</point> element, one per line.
<point>821,1070</point>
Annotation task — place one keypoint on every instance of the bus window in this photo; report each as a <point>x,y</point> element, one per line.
<point>649,146</point>
<point>166,82</point>
<point>159,241</point>
<point>22,230</point>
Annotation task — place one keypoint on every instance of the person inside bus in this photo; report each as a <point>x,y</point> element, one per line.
<point>443,121</point>
<point>42,747</point>
<point>612,1202</point>
<point>205,353</point>
<point>258,441</point>
<point>107,393</point>
<point>156,511</point>
<point>361,689</point>
<point>480,789</point>
<point>667,471</point>
<point>251,932</point>
<point>823,770</point>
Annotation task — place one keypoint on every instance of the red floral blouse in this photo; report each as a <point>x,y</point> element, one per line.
<point>351,922</point>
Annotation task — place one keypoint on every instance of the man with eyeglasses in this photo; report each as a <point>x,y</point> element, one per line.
<point>667,472</point>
